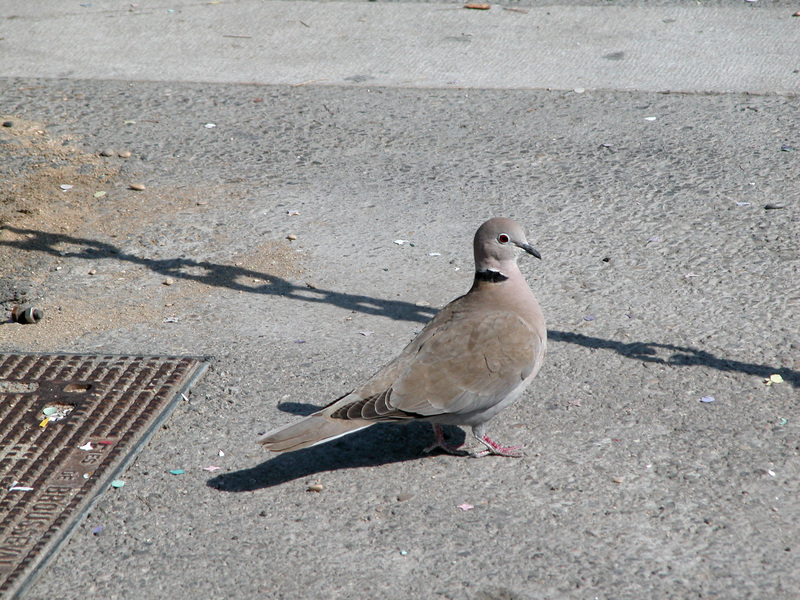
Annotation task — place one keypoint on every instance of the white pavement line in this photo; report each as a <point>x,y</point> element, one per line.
<point>683,48</point>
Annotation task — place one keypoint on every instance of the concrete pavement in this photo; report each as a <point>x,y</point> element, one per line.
<point>740,47</point>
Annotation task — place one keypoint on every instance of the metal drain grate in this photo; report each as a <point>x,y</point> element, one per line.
<point>69,424</point>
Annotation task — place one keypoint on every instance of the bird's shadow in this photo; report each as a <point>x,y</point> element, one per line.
<point>380,444</point>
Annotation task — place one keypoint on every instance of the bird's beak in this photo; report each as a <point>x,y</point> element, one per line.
<point>529,249</point>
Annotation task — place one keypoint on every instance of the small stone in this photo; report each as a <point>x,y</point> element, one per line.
<point>93,272</point>
<point>124,154</point>
<point>169,281</point>
<point>139,187</point>
<point>107,152</point>
<point>404,497</point>
<point>773,206</point>
<point>8,123</point>
<point>315,487</point>
<point>291,237</point>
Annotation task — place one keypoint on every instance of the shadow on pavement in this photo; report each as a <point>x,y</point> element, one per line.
<point>218,275</point>
<point>380,444</point>
<point>676,356</point>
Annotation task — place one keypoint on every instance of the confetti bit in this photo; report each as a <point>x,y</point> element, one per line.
<point>774,378</point>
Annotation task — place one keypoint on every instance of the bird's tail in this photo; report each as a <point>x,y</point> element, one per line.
<point>312,430</point>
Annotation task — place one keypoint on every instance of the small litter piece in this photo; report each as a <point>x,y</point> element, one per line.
<point>477,6</point>
<point>774,378</point>
<point>177,471</point>
<point>210,468</point>
<point>19,488</point>
<point>650,118</point>
<point>403,552</point>
<point>465,506</point>
<point>65,186</point>
<point>99,194</point>
<point>172,320</point>
<point>366,333</point>
<point>401,242</point>
<point>742,204</point>
<point>25,313</point>
<point>97,530</point>
<point>293,213</point>
<point>87,446</point>
<point>57,412</point>
<point>707,399</point>
<point>220,453</point>
<point>773,206</point>
<point>315,487</point>
<point>117,483</point>
<point>589,318</point>
<point>434,254</point>
<point>210,125</point>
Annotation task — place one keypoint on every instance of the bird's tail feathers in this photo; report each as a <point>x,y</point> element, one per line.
<point>314,429</point>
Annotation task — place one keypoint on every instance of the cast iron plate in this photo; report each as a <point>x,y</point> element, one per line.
<point>69,425</point>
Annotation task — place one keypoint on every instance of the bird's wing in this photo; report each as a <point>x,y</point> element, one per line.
<point>464,365</point>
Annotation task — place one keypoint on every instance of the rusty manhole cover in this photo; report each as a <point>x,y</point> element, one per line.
<point>69,424</point>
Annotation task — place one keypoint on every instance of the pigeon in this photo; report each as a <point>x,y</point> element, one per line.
<point>472,360</point>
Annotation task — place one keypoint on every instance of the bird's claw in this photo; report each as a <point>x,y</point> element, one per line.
<point>497,449</point>
<point>440,444</point>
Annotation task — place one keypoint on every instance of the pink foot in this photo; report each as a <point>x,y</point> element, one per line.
<point>493,447</point>
<point>440,444</point>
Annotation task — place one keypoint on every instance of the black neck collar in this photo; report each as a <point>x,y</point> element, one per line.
<point>489,275</point>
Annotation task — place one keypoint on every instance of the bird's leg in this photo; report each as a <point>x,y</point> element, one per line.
<point>493,447</point>
<point>441,444</point>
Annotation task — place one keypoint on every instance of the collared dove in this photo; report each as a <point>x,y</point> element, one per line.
<point>472,360</point>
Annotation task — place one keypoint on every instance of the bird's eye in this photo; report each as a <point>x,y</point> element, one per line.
<point>503,238</point>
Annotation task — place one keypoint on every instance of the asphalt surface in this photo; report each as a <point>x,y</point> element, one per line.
<point>664,280</point>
